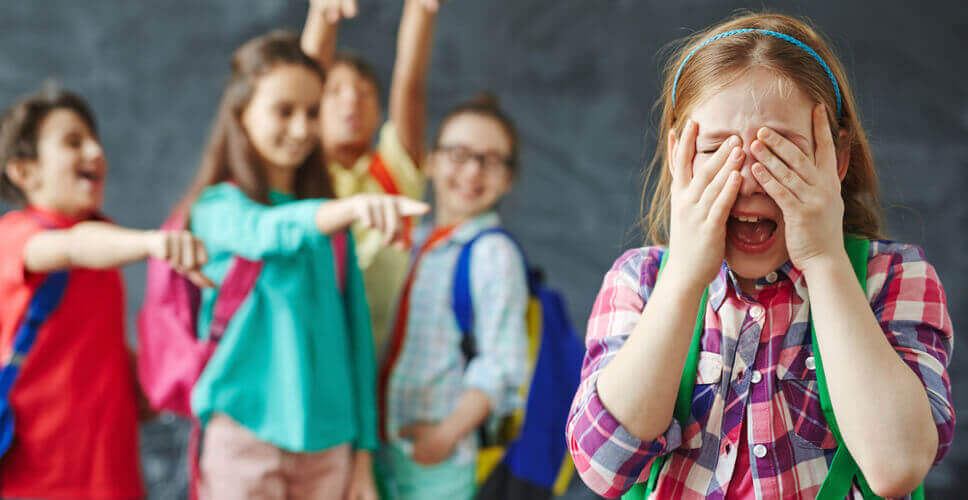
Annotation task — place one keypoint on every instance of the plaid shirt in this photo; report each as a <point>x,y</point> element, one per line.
<point>431,374</point>
<point>756,364</point>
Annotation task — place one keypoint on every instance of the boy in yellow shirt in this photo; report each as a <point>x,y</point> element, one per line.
<point>351,115</point>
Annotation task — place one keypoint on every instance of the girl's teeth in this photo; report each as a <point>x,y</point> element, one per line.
<point>747,218</point>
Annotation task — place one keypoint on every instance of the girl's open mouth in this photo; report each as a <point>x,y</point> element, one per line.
<point>751,233</point>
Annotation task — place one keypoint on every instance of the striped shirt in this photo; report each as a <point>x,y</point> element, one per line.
<point>756,364</point>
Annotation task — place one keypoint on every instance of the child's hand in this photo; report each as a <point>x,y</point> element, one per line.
<point>334,10</point>
<point>702,194</point>
<point>431,5</point>
<point>386,212</point>
<point>807,190</point>
<point>362,486</point>
<point>432,443</point>
<point>185,254</point>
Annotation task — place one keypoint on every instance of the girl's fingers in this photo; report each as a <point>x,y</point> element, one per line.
<point>774,188</point>
<point>201,254</point>
<point>778,169</point>
<point>349,8</point>
<point>363,212</point>
<point>376,211</point>
<point>685,150</point>
<point>712,190</point>
<point>174,251</point>
<point>825,151</point>
<point>789,153</point>
<point>677,181</point>
<point>723,204</point>
<point>392,218</point>
<point>199,279</point>
<point>187,250</point>
<point>710,168</point>
<point>409,207</point>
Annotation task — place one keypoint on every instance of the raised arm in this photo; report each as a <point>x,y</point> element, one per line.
<point>408,90</point>
<point>322,24</point>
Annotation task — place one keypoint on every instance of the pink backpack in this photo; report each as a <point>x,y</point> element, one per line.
<point>171,356</point>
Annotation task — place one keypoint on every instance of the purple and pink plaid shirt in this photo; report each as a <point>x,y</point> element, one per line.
<point>756,365</point>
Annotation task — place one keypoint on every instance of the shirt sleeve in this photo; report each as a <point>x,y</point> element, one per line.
<point>608,457</point>
<point>362,352</point>
<point>228,221</point>
<point>17,230</point>
<point>407,174</point>
<point>499,292</point>
<point>909,302</point>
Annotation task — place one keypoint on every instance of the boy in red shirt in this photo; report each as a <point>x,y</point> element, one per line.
<point>75,399</point>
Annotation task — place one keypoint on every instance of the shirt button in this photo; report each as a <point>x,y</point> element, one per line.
<point>756,312</point>
<point>757,377</point>
<point>759,451</point>
<point>771,278</point>
<point>811,364</point>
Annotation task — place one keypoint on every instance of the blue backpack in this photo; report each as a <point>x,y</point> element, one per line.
<point>529,458</point>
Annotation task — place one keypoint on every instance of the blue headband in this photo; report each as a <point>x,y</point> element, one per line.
<point>775,34</point>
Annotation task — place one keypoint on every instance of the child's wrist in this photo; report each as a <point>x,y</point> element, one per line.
<point>156,243</point>
<point>681,278</point>
<point>827,265</point>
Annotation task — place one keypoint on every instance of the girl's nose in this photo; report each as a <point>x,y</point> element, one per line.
<point>750,185</point>
<point>299,126</point>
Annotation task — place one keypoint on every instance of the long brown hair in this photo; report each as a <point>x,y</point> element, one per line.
<point>719,63</point>
<point>229,154</point>
<point>20,125</point>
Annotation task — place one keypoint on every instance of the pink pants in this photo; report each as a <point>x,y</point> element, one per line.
<point>237,465</point>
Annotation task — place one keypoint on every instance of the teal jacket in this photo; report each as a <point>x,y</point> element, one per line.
<point>296,363</point>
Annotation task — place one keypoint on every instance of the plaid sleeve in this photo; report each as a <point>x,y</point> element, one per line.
<point>607,456</point>
<point>909,302</point>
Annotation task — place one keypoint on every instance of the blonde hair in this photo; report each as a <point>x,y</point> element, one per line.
<point>719,63</point>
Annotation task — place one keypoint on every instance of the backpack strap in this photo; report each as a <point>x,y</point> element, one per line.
<point>843,468</point>
<point>45,299</point>
<point>41,306</point>
<point>239,281</point>
<point>687,385</point>
<point>463,302</point>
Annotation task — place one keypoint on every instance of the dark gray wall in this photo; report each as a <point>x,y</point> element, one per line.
<point>579,77</point>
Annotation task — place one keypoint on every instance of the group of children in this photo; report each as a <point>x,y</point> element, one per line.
<point>342,373</point>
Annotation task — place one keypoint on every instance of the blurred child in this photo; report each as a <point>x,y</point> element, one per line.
<point>74,399</point>
<point>351,116</point>
<point>434,395</point>
<point>287,400</point>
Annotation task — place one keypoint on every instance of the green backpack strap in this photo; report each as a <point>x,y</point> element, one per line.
<point>843,468</point>
<point>687,385</point>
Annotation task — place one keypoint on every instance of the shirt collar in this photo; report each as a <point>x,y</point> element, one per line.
<point>360,168</point>
<point>726,279</point>
<point>464,232</point>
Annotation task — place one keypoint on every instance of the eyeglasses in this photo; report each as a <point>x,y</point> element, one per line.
<point>459,156</point>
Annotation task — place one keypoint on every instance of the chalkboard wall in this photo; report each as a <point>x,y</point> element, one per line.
<point>578,76</point>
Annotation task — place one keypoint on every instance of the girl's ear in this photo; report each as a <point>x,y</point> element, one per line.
<point>21,173</point>
<point>843,154</point>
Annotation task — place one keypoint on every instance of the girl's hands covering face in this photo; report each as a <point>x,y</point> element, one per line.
<point>807,190</point>
<point>701,196</point>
